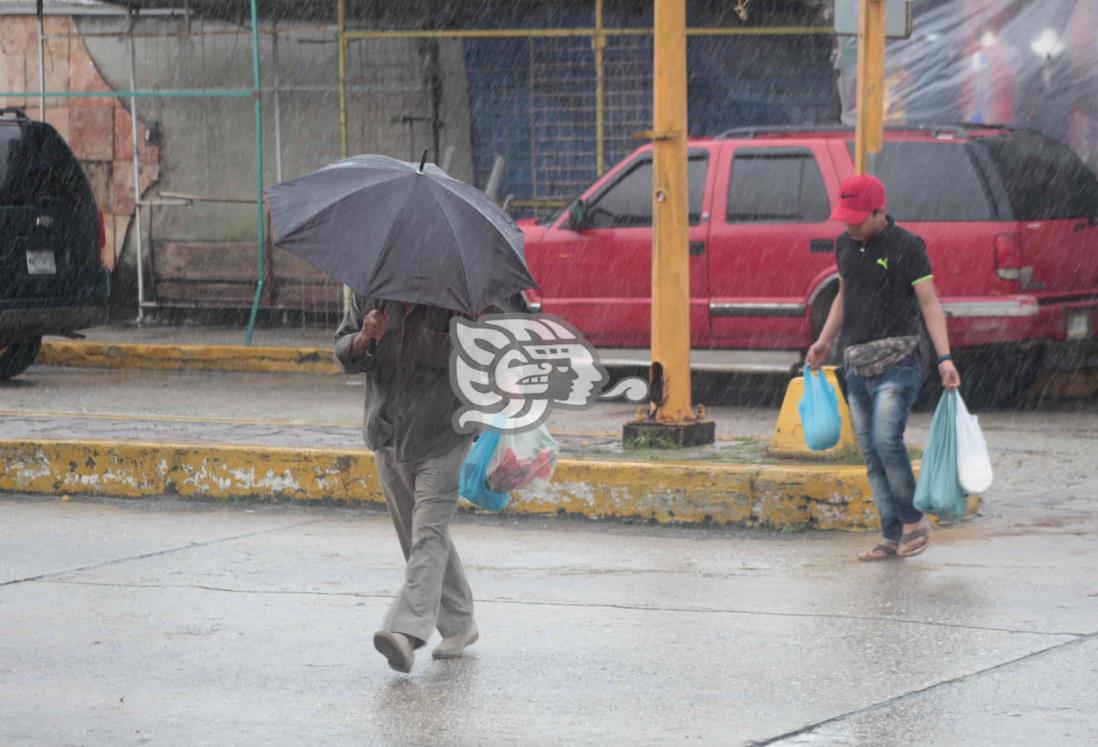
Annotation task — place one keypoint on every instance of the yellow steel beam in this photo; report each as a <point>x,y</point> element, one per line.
<point>581,32</point>
<point>475,33</point>
<point>760,31</point>
<point>341,33</point>
<point>670,260</point>
<point>869,135</point>
<point>599,44</point>
<point>341,13</point>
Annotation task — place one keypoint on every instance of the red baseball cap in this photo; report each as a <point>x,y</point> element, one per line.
<point>859,197</point>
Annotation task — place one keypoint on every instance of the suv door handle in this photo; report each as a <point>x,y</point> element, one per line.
<point>821,245</point>
<point>697,248</point>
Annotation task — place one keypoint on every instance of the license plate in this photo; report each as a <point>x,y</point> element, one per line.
<point>1078,326</point>
<point>41,262</point>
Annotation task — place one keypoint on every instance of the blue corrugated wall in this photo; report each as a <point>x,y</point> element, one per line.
<point>533,101</point>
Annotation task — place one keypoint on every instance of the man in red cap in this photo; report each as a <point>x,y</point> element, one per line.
<point>885,283</point>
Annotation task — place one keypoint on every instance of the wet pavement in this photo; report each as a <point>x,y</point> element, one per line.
<point>167,622</point>
<point>162,622</point>
<point>309,410</point>
<point>286,410</point>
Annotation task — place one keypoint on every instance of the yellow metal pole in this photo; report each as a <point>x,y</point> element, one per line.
<point>670,260</point>
<point>341,21</point>
<point>341,13</point>
<point>869,135</point>
<point>529,33</point>
<point>599,43</point>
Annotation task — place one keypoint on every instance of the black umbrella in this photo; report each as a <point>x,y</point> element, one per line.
<point>393,231</point>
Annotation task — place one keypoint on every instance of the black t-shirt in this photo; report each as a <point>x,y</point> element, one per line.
<point>878,279</point>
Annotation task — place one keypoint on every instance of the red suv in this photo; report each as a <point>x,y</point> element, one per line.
<point>1010,220</point>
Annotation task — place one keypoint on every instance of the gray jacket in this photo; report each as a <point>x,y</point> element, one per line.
<point>409,401</point>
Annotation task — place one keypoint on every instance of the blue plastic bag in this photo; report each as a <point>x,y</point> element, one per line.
<point>473,485</point>
<point>939,490</point>
<point>819,409</point>
<point>500,463</point>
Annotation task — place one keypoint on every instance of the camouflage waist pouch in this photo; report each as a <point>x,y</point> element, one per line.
<point>872,358</point>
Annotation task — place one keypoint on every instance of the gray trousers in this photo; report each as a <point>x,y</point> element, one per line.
<point>422,498</point>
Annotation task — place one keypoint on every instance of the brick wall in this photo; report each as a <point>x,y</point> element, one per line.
<point>97,129</point>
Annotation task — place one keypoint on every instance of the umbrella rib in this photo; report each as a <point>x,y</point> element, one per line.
<point>461,260</point>
<point>498,231</point>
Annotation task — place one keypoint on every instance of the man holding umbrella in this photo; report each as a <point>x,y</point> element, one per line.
<point>409,404</point>
<point>417,247</point>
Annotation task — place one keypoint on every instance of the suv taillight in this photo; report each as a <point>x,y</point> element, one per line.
<point>102,229</point>
<point>1008,256</point>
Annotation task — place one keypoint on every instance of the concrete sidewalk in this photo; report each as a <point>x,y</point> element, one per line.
<point>284,437</point>
<point>168,622</point>
<point>307,349</point>
<point>211,444</point>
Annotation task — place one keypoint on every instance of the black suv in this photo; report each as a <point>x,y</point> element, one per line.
<point>51,234</point>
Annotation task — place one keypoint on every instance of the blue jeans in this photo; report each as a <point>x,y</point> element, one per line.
<point>879,407</point>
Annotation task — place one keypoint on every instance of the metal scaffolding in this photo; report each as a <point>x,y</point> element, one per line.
<point>598,33</point>
<point>612,112</point>
<point>133,95</point>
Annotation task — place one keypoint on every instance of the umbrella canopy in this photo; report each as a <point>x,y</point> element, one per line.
<point>392,230</point>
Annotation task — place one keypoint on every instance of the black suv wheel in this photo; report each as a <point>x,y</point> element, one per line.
<point>16,357</point>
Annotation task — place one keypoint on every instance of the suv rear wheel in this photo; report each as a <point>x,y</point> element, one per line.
<point>16,357</point>
<point>999,379</point>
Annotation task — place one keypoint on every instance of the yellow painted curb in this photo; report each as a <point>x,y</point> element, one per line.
<point>128,469</point>
<point>825,497</point>
<point>236,358</point>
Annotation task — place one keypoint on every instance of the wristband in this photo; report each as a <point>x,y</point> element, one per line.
<point>943,358</point>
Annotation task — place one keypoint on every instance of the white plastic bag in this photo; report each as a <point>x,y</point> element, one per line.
<point>522,460</point>
<point>973,460</point>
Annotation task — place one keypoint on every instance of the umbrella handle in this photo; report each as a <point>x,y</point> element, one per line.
<point>371,347</point>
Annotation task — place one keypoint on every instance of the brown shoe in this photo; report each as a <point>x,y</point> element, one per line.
<point>397,648</point>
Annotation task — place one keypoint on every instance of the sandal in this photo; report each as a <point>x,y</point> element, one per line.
<point>920,533</point>
<point>881,551</point>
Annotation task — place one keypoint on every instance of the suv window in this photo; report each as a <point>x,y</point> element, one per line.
<point>36,167</point>
<point>1044,179</point>
<point>628,201</point>
<point>932,181</point>
<point>776,184</point>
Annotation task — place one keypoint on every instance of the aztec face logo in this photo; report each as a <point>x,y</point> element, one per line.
<point>509,370</point>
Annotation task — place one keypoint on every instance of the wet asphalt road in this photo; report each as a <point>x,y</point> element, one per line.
<point>161,622</point>
<point>165,622</point>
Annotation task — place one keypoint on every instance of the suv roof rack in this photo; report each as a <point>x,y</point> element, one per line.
<point>759,130</point>
<point>957,130</point>
<point>19,113</point>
